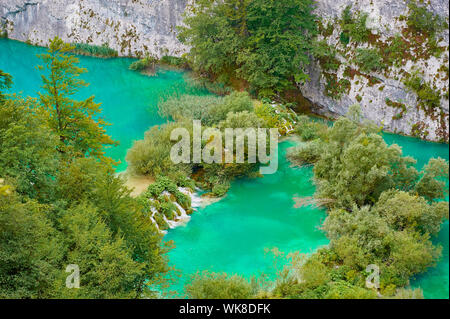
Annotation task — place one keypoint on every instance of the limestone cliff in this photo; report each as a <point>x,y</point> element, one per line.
<point>383,95</point>
<point>132,27</point>
<point>136,27</point>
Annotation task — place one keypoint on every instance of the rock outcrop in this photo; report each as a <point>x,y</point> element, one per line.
<point>383,96</point>
<point>132,27</point>
<point>137,27</point>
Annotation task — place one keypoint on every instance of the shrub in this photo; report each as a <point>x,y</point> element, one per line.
<point>208,285</point>
<point>220,190</point>
<point>209,109</point>
<point>423,21</point>
<point>151,156</point>
<point>369,60</point>
<point>429,97</point>
<point>191,107</point>
<point>326,56</point>
<point>143,64</point>
<point>395,51</point>
<point>353,27</point>
<point>174,61</point>
<point>305,154</point>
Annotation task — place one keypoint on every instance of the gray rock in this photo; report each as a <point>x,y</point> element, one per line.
<point>132,27</point>
<point>383,21</point>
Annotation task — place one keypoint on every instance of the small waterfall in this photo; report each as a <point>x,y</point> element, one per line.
<point>154,211</point>
<point>196,201</point>
<point>184,217</point>
<point>172,224</point>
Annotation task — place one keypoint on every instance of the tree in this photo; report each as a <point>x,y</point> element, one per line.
<point>432,184</point>
<point>263,42</point>
<point>76,123</point>
<point>27,148</point>
<point>106,267</point>
<point>208,285</point>
<point>86,181</point>
<point>382,210</point>
<point>279,41</point>
<point>30,250</point>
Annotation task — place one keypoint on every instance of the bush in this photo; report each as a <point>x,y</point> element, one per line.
<point>209,109</point>
<point>143,64</point>
<point>395,51</point>
<point>220,190</point>
<point>429,98</point>
<point>174,61</point>
<point>192,107</point>
<point>369,60</point>
<point>326,56</point>
<point>151,156</point>
<point>353,27</point>
<point>305,154</point>
<point>423,21</point>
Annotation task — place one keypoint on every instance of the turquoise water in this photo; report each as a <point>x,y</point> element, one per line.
<point>129,99</point>
<point>257,214</point>
<point>230,235</point>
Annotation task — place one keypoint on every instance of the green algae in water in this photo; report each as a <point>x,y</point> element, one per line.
<point>232,234</point>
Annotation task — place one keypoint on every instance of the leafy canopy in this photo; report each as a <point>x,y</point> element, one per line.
<point>77,123</point>
<point>263,42</point>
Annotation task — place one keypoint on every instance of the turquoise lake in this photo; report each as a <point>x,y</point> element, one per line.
<point>233,234</point>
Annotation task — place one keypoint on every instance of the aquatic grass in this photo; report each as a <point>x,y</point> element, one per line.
<point>95,50</point>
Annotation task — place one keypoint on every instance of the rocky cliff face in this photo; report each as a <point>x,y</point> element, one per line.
<point>132,27</point>
<point>136,27</point>
<point>382,94</point>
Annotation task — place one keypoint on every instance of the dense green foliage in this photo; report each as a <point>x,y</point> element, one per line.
<point>381,209</point>
<point>143,64</point>
<point>423,21</point>
<point>5,82</point>
<point>429,97</point>
<point>209,109</point>
<point>60,207</point>
<point>353,26</point>
<point>263,42</point>
<point>94,50</point>
<point>77,124</point>
<point>151,156</point>
<point>382,212</point>
<point>369,60</point>
<point>326,55</point>
<point>207,285</point>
